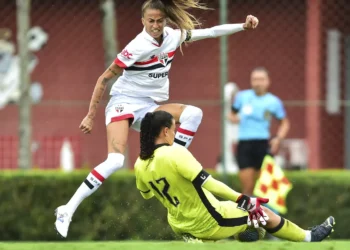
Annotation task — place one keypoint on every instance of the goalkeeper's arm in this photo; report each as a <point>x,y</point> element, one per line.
<point>251,205</point>
<point>220,189</point>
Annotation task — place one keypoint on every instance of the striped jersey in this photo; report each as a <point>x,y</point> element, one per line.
<point>146,65</point>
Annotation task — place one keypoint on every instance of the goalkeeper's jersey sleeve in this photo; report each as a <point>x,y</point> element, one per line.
<point>175,178</point>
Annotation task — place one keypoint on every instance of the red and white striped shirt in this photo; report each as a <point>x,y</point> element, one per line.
<point>146,65</point>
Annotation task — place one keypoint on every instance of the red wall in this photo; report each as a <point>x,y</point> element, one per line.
<point>73,59</point>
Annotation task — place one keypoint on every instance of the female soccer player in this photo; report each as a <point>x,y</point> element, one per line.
<point>145,63</point>
<point>178,181</point>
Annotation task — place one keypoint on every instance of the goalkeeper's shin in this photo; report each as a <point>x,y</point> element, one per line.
<point>287,230</point>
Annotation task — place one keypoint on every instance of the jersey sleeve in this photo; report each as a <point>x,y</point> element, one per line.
<point>237,102</point>
<point>220,189</point>
<point>216,31</point>
<point>279,111</point>
<point>129,55</point>
<point>187,166</point>
<point>177,35</point>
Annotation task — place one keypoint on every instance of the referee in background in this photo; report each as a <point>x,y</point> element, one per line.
<point>252,110</point>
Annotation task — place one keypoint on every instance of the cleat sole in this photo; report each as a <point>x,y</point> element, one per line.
<point>58,232</point>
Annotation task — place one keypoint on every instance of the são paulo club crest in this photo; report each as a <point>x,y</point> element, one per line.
<point>163,58</point>
<point>119,108</point>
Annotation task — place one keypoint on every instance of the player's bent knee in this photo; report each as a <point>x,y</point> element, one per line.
<point>273,218</point>
<point>113,162</point>
<point>192,114</point>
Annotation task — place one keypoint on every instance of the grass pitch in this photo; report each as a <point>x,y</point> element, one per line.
<point>148,245</point>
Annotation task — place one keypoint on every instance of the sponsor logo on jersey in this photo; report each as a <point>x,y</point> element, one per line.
<point>126,54</point>
<point>158,75</point>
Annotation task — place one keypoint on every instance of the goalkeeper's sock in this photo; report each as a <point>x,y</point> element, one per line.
<point>287,230</point>
<point>190,120</point>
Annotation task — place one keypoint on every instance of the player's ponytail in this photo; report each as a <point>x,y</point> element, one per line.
<point>151,126</point>
<point>176,11</point>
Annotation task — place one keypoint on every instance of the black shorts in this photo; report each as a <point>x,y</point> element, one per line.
<point>251,153</point>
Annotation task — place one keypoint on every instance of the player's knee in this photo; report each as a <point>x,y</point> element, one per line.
<point>191,114</point>
<point>274,219</point>
<point>113,162</point>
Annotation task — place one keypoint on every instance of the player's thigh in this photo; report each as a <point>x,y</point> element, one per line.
<point>121,112</point>
<point>274,219</point>
<point>117,136</point>
<point>175,109</point>
<point>235,221</point>
<point>247,177</point>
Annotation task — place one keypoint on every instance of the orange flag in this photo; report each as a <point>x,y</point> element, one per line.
<point>273,184</point>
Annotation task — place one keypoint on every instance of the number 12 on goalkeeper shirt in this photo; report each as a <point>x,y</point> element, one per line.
<point>164,193</point>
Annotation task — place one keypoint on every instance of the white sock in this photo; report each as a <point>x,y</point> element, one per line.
<point>184,137</point>
<point>90,185</point>
<point>94,180</point>
<point>190,120</point>
<point>307,236</point>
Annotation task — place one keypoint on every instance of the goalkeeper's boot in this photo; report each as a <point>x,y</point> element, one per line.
<point>320,232</point>
<point>188,238</point>
<point>63,219</point>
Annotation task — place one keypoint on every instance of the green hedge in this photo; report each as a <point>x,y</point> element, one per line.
<point>117,211</point>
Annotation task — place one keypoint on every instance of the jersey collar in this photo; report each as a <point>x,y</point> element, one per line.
<point>151,39</point>
<point>160,145</point>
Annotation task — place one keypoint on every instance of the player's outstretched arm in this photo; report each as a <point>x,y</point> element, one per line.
<point>246,203</point>
<point>221,30</point>
<point>220,189</point>
<point>100,87</point>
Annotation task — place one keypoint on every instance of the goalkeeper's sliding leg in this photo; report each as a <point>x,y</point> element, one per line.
<point>285,229</point>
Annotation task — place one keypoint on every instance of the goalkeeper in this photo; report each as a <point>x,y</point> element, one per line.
<point>178,181</point>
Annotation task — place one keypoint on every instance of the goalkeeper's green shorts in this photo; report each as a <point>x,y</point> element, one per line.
<point>229,211</point>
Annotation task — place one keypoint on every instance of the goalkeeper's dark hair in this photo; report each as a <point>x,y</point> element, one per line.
<point>176,11</point>
<point>151,126</point>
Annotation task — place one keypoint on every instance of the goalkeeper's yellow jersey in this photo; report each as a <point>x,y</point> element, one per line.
<point>175,178</point>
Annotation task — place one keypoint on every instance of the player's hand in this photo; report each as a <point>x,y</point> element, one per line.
<point>86,125</point>
<point>275,145</point>
<point>234,118</point>
<point>253,207</point>
<point>251,22</point>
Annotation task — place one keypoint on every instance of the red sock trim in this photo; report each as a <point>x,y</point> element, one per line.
<point>97,175</point>
<point>186,132</point>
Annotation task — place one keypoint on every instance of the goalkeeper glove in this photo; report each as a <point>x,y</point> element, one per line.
<point>253,207</point>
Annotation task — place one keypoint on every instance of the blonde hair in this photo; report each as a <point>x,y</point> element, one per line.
<point>176,11</point>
